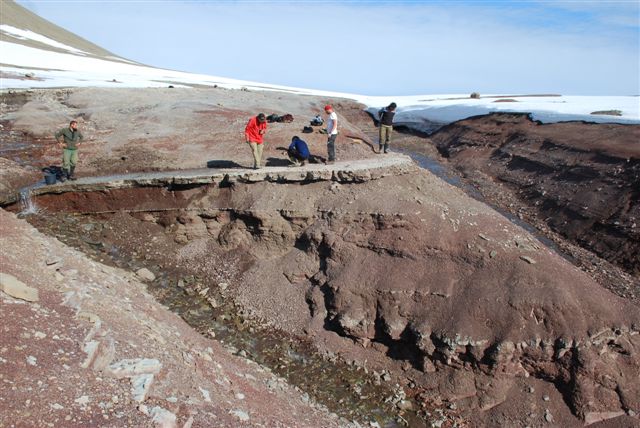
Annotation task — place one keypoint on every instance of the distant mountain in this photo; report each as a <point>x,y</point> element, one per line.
<point>38,53</point>
<point>17,17</point>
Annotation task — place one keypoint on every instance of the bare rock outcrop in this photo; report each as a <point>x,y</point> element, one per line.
<point>127,129</point>
<point>456,309</point>
<point>581,179</point>
<point>97,349</point>
<point>409,264</point>
<point>398,262</point>
<point>445,283</point>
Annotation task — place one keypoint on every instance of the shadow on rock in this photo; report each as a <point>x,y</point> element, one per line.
<point>223,164</point>
<point>277,162</point>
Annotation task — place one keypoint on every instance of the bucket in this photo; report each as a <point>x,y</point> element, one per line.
<point>49,178</point>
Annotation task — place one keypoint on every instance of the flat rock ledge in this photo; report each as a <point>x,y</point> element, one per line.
<point>356,171</point>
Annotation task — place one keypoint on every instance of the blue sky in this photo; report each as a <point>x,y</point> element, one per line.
<point>376,48</point>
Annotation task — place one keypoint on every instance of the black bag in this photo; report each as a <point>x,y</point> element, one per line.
<point>307,130</point>
<point>54,170</point>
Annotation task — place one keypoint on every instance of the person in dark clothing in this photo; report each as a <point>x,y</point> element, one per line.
<point>298,152</point>
<point>386,126</point>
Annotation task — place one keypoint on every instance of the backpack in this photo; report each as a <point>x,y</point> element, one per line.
<point>272,118</point>
<point>307,130</point>
<point>287,118</point>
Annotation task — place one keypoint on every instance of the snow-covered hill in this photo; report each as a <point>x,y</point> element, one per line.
<point>35,53</point>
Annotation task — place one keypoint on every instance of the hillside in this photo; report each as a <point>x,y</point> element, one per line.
<point>65,60</point>
<point>183,288</point>
<point>582,180</point>
<point>17,17</point>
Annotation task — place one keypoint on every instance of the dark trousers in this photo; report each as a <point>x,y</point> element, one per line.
<point>331,147</point>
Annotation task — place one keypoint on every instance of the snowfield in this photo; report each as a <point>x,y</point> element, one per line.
<point>76,69</point>
<point>30,35</point>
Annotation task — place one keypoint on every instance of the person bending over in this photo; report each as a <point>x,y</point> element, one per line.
<point>298,152</point>
<point>254,136</point>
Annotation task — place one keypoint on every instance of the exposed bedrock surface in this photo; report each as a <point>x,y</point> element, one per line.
<point>93,348</point>
<point>410,266</point>
<point>582,179</point>
<point>376,266</point>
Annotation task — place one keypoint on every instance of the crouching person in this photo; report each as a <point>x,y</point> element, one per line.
<point>69,139</point>
<point>298,152</point>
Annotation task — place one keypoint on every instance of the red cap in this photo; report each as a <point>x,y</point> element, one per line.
<point>328,107</point>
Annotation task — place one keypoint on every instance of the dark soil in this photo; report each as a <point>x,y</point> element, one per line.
<point>581,179</point>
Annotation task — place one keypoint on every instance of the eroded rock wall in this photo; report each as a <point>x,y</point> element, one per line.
<point>582,179</point>
<point>411,266</point>
<point>440,280</point>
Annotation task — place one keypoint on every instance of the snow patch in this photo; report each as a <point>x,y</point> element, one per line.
<point>56,69</point>
<point>30,35</point>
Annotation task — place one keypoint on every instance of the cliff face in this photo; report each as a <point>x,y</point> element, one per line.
<point>403,265</point>
<point>411,266</point>
<point>582,179</point>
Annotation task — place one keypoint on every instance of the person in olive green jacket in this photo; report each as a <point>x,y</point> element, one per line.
<point>69,139</point>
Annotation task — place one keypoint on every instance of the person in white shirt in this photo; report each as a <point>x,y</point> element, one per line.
<point>332,131</point>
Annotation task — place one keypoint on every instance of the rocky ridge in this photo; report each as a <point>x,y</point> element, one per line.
<point>341,172</point>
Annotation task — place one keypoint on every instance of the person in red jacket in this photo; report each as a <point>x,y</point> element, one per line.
<point>253,135</point>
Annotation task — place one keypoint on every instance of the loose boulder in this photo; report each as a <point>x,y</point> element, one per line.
<point>145,274</point>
